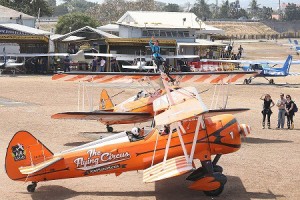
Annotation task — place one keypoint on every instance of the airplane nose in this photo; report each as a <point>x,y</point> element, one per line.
<point>245,130</point>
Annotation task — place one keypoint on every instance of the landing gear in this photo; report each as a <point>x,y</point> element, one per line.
<point>271,81</point>
<point>109,128</point>
<point>209,178</point>
<point>31,187</point>
<point>214,193</point>
<point>246,81</point>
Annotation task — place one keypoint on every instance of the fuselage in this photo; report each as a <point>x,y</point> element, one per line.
<point>118,154</point>
<point>139,103</point>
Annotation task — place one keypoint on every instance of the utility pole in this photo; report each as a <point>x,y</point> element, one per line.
<point>216,10</point>
<point>279,10</point>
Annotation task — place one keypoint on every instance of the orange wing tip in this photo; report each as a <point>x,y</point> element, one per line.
<point>173,167</point>
<point>245,129</point>
<point>35,168</point>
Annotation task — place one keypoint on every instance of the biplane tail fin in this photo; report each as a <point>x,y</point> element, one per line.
<point>105,101</point>
<point>24,150</point>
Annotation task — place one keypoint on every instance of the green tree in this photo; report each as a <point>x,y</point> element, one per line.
<point>111,10</point>
<point>224,10</point>
<point>201,9</point>
<point>30,7</point>
<point>265,13</point>
<point>172,7</point>
<point>254,8</point>
<point>74,21</point>
<point>51,3</point>
<point>72,6</point>
<point>292,12</point>
<point>242,13</point>
<point>60,10</point>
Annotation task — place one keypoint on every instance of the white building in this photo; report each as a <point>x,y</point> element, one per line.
<point>9,15</point>
<point>184,27</point>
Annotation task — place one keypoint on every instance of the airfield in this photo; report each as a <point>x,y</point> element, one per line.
<point>266,166</point>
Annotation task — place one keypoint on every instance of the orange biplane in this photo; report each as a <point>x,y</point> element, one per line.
<point>188,135</point>
<point>139,108</point>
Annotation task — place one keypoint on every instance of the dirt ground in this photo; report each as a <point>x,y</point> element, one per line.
<point>266,167</point>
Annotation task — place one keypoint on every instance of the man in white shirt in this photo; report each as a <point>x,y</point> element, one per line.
<point>281,111</point>
<point>102,65</point>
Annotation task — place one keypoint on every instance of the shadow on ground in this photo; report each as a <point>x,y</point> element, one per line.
<point>264,141</point>
<point>174,188</point>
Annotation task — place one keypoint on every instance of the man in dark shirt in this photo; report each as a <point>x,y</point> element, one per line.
<point>67,64</point>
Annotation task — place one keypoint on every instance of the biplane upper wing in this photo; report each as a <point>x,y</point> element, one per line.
<point>145,67</point>
<point>107,117</point>
<point>127,77</point>
<point>251,61</point>
<point>213,112</point>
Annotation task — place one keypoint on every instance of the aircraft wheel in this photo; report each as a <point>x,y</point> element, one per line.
<point>31,187</point>
<point>218,168</point>
<point>109,129</point>
<point>216,192</point>
<point>249,81</point>
<point>271,81</point>
<point>246,81</point>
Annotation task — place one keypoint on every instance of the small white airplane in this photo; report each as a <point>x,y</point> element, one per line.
<point>294,45</point>
<point>9,63</point>
<point>140,62</point>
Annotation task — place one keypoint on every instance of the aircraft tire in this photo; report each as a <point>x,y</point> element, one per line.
<point>218,168</point>
<point>271,81</point>
<point>31,187</point>
<point>246,81</point>
<point>216,192</point>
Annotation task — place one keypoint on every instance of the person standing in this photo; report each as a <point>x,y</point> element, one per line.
<point>114,65</point>
<point>268,104</point>
<point>240,51</point>
<point>289,111</point>
<point>281,111</point>
<point>67,64</point>
<point>94,64</point>
<point>102,65</point>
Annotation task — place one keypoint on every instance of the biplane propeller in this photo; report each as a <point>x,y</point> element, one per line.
<point>161,154</point>
<point>139,108</point>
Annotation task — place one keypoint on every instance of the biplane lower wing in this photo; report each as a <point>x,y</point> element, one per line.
<point>233,111</point>
<point>106,117</point>
<point>171,168</point>
<point>127,77</point>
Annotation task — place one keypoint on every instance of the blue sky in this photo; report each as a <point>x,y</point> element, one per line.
<point>244,3</point>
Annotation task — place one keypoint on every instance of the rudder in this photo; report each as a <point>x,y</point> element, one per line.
<point>105,101</point>
<point>24,150</point>
<point>287,64</point>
